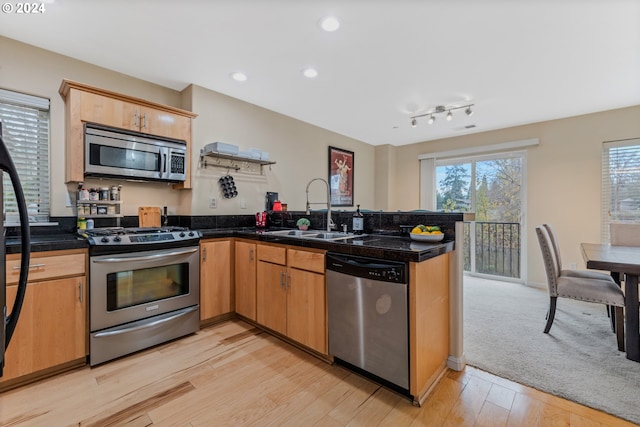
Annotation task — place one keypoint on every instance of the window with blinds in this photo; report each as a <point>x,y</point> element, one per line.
<point>620,183</point>
<point>25,132</point>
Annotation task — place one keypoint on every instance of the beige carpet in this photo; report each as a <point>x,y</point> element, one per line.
<point>577,360</point>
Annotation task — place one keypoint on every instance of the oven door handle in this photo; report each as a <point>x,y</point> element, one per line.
<point>146,257</point>
<point>146,325</point>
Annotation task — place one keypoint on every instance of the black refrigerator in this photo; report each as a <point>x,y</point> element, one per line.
<point>10,318</point>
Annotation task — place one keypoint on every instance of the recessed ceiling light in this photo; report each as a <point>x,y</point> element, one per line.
<point>310,73</point>
<point>239,77</point>
<point>329,23</point>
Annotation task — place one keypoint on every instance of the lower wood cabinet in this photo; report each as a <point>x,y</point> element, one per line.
<point>215,278</point>
<point>291,295</point>
<point>245,279</point>
<point>52,328</point>
<point>429,322</point>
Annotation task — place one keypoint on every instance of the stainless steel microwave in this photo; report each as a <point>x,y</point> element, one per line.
<point>120,153</point>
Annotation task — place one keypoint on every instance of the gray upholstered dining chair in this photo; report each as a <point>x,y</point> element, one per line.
<point>624,234</point>
<point>597,290</point>
<point>580,273</point>
<point>558,259</point>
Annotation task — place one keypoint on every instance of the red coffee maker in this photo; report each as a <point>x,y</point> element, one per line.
<point>261,219</point>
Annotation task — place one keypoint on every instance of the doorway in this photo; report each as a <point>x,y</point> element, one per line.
<point>492,187</point>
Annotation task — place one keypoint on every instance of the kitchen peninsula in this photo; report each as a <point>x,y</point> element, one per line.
<point>429,272</point>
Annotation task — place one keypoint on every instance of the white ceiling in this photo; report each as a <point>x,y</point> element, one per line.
<point>518,61</point>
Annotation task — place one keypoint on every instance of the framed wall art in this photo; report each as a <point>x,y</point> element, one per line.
<point>341,170</point>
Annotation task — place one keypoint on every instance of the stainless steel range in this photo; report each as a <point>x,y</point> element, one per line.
<point>144,288</point>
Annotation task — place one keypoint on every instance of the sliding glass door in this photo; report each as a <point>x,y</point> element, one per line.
<point>492,188</point>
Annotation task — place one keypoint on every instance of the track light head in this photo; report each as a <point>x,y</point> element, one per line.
<point>414,122</point>
<point>468,111</point>
<point>449,116</point>
<point>431,119</point>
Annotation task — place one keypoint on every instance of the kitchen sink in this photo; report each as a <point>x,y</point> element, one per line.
<point>312,234</point>
<point>293,233</point>
<point>331,236</point>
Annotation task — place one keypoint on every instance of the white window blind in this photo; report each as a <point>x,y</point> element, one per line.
<point>25,132</point>
<point>620,183</point>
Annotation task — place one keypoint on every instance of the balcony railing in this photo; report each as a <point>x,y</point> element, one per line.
<point>492,248</point>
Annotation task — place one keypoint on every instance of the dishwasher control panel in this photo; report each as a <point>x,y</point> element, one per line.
<point>392,274</point>
<point>368,268</point>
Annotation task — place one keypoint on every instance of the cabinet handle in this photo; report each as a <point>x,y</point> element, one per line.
<point>80,291</point>
<point>137,120</point>
<point>144,121</point>
<point>17,267</point>
<point>204,254</point>
<point>251,255</point>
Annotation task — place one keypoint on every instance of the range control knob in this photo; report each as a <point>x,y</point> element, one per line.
<point>191,234</point>
<point>392,274</point>
<point>105,239</point>
<point>117,239</point>
<point>182,234</point>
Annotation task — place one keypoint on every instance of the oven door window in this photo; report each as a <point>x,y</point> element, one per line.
<point>135,287</point>
<point>128,158</point>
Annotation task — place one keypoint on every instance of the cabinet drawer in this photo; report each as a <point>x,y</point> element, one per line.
<point>305,260</point>
<point>274,254</point>
<point>46,267</point>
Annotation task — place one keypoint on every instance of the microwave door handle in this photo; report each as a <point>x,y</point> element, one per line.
<point>166,167</point>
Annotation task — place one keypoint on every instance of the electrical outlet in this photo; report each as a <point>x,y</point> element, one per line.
<point>213,203</point>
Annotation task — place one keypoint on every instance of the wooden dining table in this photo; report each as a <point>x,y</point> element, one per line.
<point>624,260</point>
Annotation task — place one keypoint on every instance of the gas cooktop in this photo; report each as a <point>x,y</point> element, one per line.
<point>121,236</point>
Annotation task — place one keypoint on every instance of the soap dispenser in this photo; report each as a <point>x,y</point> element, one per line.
<point>358,221</point>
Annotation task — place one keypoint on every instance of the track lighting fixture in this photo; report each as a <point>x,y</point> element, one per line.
<point>441,109</point>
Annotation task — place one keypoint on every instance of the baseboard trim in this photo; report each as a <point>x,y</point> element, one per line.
<point>456,363</point>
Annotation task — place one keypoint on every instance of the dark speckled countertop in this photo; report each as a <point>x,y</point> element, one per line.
<point>398,248</point>
<point>48,242</point>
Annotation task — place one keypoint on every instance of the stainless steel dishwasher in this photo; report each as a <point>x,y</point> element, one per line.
<point>368,317</point>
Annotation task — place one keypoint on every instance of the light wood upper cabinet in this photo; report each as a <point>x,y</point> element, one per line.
<point>88,104</point>
<point>245,279</point>
<point>291,294</point>
<point>52,327</point>
<point>215,278</point>
<point>163,123</point>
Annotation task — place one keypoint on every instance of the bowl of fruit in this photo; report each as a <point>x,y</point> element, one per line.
<point>426,233</point>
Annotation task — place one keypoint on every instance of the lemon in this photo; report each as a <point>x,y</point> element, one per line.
<point>416,230</point>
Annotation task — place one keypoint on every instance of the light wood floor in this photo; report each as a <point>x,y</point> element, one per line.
<point>234,375</point>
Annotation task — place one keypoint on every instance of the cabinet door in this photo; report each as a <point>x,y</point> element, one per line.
<point>306,309</point>
<point>245,269</point>
<point>51,329</point>
<point>215,278</point>
<point>107,111</point>
<point>163,123</point>
<point>271,296</point>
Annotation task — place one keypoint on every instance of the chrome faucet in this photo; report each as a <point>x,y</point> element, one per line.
<point>330,223</point>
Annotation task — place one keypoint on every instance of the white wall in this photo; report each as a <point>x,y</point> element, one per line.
<point>299,149</point>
